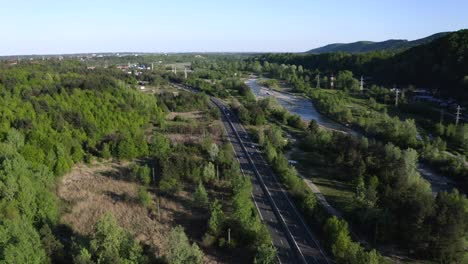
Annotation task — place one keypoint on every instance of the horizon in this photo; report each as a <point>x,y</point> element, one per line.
<point>52,27</point>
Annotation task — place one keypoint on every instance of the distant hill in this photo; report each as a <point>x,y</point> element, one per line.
<point>441,65</point>
<point>366,46</point>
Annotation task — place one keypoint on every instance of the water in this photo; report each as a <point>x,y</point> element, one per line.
<point>298,105</point>
<point>307,111</point>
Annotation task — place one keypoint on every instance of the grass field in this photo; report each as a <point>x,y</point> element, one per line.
<point>328,179</point>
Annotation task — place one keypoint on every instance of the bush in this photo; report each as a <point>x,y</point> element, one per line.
<point>144,197</point>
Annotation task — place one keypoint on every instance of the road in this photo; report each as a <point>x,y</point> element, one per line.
<point>291,236</point>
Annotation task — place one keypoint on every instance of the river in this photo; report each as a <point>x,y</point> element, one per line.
<point>306,110</point>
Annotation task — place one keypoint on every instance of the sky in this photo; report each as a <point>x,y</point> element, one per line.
<point>82,26</point>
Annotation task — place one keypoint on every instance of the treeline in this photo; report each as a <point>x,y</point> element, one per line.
<point>373,123</point>
<point>439,64</point>
<point>395,205</point>
<point>53,115</point>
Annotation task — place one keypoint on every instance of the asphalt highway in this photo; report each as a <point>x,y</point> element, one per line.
<point>291,236</point>
<point>294,241</point>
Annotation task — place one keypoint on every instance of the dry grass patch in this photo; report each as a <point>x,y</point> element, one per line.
<point>90,191</point>
<point>194,115</point>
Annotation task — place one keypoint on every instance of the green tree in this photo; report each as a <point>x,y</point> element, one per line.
<point>450,226</point>
<point>209,172</point>
<point>213,151</point>
<point>180,250</point>
<point>83,257</point>
<point>144,197</point>
<point>112,244</point>
<point>345,80</point>
<point>200,197</point>
<point>126,149</point>
<point>160,146</point>
<point>216,218</point>
<point>266,254</point>
<point>105,152</point>
<point>20,243</point>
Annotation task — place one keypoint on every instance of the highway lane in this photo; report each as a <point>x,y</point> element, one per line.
<point>299,236</point>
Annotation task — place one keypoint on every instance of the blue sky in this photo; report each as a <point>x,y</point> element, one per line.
<point>72,26</point>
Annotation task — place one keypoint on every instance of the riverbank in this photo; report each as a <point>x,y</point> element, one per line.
<point>305,108</point>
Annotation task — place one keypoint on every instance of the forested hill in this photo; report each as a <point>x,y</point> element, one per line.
<point>441,64</point>
<point>367,46</point>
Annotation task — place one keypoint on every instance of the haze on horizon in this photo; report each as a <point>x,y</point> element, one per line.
<point>59,27</point>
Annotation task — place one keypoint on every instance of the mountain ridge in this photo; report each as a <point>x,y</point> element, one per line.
<point>368,46</point>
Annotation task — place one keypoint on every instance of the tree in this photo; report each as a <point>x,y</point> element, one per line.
<point>142,174</point>
<point>213,151</point>
<point>144,197</point>
<point>450,226</point>
<point>20,243</point>
<point>266,254</point>
<point>180,250</point>
<point>160,146</point>
<point>360,189</point>
<point>313,126</point>
<point>52,246</point>
<point>338,238</point>
<point>209,172</point>
<point>126,149</point>
<point>345,80</point>
<point>216,218</point>
<point>270,152</point>
<point>105,152</point>
<point>200,197</point>
<point>83,257</point>
<point>112,244</point>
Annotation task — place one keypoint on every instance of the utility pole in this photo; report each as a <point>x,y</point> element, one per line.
<point>175,69</point>
<point>397,92</point>
<point>159,209</point>
<point>229,236</point>
<point>457,118</point>
<point>152,66</point>
<point>361,87</point>
<point>318,81</point>
<point>185,72</point>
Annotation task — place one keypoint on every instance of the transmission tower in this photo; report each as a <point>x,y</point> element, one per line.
<point>397,92</point>
<point>457,117</point>
<point>361,87</point>
<point>318,81</point>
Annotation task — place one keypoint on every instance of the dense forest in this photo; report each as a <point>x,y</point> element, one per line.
<point>368,46</point>
<point>439,65</point>
<point>54,115</point>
